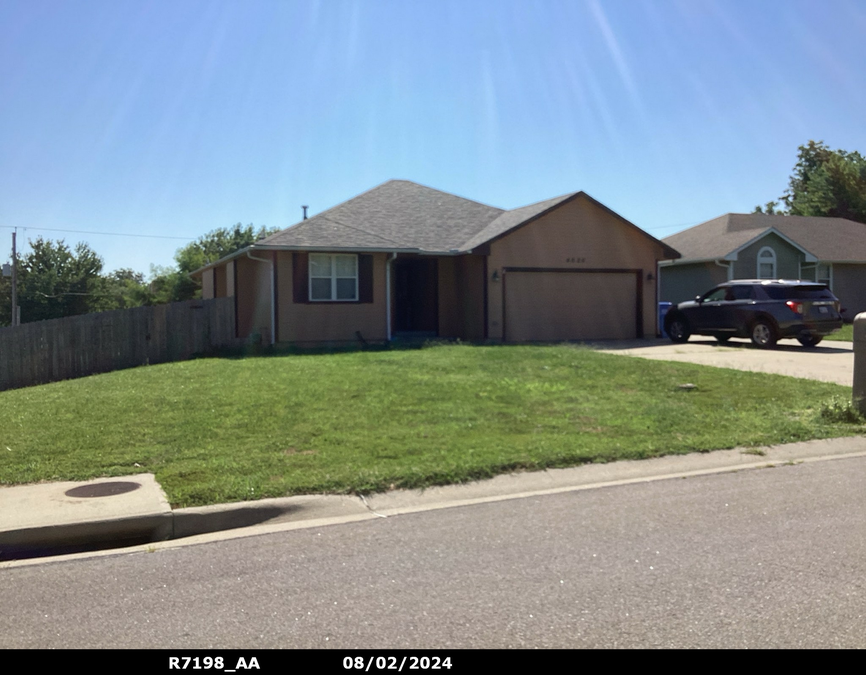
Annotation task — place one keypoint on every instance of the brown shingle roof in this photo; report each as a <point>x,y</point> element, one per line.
<point>401,215</point>
<point>396,214</point>
<point>830,239</point>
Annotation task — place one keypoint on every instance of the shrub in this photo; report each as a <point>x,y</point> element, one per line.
<point>840,409</point>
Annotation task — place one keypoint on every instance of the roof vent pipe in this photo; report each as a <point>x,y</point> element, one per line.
<point>305,211</point>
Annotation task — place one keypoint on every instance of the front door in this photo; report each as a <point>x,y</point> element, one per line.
<point>417,296</point>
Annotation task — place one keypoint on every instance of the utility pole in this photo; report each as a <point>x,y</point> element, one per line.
<point>16,318</point>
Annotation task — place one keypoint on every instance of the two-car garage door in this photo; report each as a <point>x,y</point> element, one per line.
<point>553,305</point>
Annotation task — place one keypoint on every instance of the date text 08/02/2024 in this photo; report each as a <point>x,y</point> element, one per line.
<point>380,663</point>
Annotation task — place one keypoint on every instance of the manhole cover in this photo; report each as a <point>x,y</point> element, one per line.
<point>103,489</point>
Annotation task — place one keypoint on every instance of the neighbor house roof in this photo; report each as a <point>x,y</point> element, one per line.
<point>403,216</point>
<point>830,239</point>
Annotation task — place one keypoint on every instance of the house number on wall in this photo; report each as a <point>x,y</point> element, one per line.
<point>575,260</point>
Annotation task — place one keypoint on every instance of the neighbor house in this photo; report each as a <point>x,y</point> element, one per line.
<point>407,260</point>
<point>831,251</point>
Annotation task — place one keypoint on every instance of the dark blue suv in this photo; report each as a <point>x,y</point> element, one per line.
<point>762,310</point>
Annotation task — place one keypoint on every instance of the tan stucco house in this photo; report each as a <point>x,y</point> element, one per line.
<point>407,260</point>
<point>831,251</point>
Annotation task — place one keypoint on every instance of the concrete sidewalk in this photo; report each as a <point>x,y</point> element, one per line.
<point>51,519</point>
<point>70,516</point>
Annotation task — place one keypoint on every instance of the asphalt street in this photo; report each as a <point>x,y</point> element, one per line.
<point>758,558</point>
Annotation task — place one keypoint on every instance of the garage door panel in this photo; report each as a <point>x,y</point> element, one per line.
<point>552,306</point>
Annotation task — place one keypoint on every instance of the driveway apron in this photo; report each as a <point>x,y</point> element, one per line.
<point>830,361</point>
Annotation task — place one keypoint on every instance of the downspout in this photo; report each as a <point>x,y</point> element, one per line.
<point>729,267</point>
<point>273,292</point>
<point>388,295</point>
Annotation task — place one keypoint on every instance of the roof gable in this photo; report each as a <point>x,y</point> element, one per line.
<point>517,218</point>
<point>830,239</point>
<point>733,255</point>
<point>508,220</point>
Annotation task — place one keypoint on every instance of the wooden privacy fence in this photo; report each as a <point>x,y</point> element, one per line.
<point>76,346</point>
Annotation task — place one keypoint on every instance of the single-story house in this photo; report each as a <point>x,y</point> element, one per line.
<point>831,251</point>
<point>407,260</point>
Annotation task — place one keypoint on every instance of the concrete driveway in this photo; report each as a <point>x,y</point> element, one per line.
<point>829,362</point>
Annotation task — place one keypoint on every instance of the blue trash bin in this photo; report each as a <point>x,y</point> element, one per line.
<point>663,309</point>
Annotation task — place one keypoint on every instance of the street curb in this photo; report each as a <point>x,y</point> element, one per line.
<point>196,525</point>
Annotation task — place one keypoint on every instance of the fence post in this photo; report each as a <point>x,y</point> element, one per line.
<point>859,393</point>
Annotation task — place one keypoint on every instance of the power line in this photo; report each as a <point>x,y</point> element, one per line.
<point>164,236</point>
<point>110,234</point>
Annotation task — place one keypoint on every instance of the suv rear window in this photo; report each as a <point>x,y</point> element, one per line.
<point>811,292</point>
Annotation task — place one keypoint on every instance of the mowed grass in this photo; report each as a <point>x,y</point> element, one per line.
<point>846,333</point>
<point>219,430</point>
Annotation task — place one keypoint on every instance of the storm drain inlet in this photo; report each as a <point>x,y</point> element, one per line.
<point>108,489</point>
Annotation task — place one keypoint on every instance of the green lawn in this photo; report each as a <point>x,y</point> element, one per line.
<point>846,333</point>
<point>217,430</point>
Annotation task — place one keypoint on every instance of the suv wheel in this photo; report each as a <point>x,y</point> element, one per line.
<point>763,334</point>
<point>678,329</point>
<point>809,340</point>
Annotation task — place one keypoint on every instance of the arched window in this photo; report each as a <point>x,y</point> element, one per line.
<point>766,263</point>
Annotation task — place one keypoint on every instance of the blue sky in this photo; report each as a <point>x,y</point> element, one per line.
<point>170,118</point>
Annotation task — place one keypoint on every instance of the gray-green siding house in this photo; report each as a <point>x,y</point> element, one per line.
<point>759,246</point>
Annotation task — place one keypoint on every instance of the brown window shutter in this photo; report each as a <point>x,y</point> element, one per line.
<point>300,277</point>
<point>365,278</point>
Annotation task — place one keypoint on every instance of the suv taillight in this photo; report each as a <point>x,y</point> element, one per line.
<point>796,307</point>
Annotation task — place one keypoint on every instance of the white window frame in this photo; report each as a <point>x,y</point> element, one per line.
<point>333,277</point>
<point>766,261</point>
<point>829,277</point>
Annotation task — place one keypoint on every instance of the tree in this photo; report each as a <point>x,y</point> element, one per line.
<point>770,208</point>
<point>825,183</point>
<point>172,284</point>
<point>121,289</point>
<point>218,244</point>
<point>55,281</point>
<point>828,183</point>
<point>168,284</point>
<point>5,301</point>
